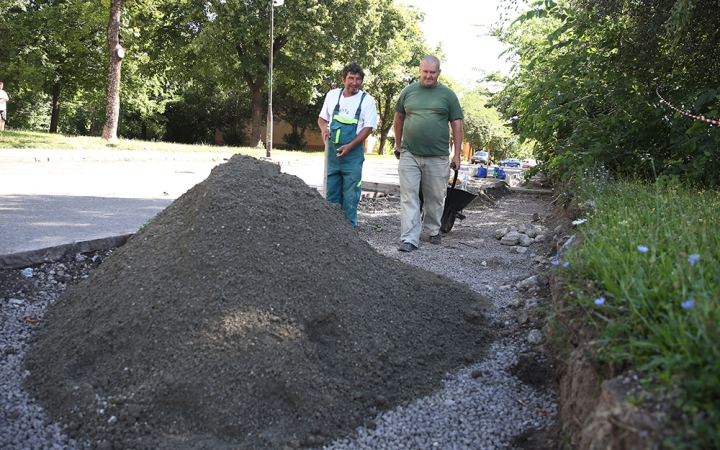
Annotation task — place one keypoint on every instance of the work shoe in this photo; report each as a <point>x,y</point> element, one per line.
<point>407,247</point>
<point>437,239</point>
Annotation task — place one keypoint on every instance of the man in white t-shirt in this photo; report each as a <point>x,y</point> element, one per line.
<point>347,118</point>
<point>3,106</point>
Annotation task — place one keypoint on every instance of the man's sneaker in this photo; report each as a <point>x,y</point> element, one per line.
<point>407,247</point>
<point>437,239</point>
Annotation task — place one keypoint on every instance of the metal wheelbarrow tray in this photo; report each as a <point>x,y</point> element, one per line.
<point>455,201</point>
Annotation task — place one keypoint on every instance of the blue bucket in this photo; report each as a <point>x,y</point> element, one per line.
<point>481,172</point>
<point>501,174</point>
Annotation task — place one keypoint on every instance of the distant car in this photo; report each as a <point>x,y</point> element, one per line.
<point>528,163</point>
<point>479,158</point>
<point>510,162</point>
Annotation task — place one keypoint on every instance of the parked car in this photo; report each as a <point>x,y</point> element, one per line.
<point>510,162</point>
<point>479,157</point>
<point>528,163</point>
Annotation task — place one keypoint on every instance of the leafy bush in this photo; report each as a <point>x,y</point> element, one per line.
<point>587,82</point>
<point>295,140</point>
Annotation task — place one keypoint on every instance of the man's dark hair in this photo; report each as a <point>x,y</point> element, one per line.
<point>353,68</point>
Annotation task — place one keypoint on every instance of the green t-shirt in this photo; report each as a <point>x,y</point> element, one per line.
<point>428,112</point>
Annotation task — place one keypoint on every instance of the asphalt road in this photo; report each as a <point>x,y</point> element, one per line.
<point>57,201</point>
<point>52,201</point>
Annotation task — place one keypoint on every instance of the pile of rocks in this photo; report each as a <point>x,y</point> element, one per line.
<point>520,237</point>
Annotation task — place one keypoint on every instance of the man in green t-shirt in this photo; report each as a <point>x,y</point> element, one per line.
<point>422,144</point>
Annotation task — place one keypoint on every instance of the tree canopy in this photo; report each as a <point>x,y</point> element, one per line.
<point>586,79</point>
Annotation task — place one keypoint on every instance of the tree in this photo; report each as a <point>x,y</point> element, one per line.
<point>116,53</point>
<point>397,65</point>
<point>230,41</point>
<point>52,46</point>
<point>298,114</point>
<point>483,128</point>
<point>585,86</point>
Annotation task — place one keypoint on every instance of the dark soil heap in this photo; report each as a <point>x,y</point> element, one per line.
<point>247,314</point>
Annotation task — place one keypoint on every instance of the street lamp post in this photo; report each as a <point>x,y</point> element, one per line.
<point>269,133</point>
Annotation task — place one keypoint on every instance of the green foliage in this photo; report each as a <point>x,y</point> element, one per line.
<point>295,140</point>
<point>652,251</point>
<point>200,109</point>
<point>585,81</point>
<point>394,62</point>
<point>482,127</point>
<point>28,110</point>
<point>55,53</point>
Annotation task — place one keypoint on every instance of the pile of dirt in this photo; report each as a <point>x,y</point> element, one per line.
<point>248,313</point>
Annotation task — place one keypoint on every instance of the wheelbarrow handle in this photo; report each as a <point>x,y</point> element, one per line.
<point>452,188</point>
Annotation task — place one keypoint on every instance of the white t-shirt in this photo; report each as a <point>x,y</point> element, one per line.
<point>4,95</point>
<point>348,108</point>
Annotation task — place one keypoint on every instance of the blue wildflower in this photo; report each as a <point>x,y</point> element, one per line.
<point>600,301</point>
<point>642,249</point>
<point>692,259</point>
<point>566,263</point>
<point>554,262</point>
<point>688,304</point>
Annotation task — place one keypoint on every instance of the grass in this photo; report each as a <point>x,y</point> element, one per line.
<point>51,141</point>
<point>40,140</point>
<point>652,255</point>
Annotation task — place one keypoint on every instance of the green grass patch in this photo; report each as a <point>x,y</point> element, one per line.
<point>50,141</point>
<point>39,140</point>
<point>652,253</point>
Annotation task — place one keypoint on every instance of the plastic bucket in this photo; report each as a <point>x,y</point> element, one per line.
<point>481,172</point>
<point>501,174</point>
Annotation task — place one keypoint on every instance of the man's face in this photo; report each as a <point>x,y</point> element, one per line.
<point>353,83</point>
<point>429,74</point>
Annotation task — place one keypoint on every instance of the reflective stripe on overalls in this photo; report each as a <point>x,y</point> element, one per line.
<point>344,180</point>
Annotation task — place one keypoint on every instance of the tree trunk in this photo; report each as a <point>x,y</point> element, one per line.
<point>112,92</point>
<point>383,138</point>
<point>256,87</point>
<point>92,122</point>
<point>55,117</point>
<point>386,122</point>
<point>256,107</point>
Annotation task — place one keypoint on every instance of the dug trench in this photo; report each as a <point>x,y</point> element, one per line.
<point>248,313</point>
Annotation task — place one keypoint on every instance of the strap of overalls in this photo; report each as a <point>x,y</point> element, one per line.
<point>354,121</point>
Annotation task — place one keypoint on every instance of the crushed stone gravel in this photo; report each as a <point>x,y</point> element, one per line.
<point>480,400</point>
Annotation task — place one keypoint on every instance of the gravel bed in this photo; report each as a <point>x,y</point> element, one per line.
<point>506,401</point>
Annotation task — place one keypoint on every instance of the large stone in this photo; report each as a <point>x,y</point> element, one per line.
<point>535,337</point>
<point>510,239</point>
<point>500,232</point>
<point>525,240</point>
<point>528,284</point>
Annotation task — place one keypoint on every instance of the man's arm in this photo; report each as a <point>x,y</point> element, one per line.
<point>361,136</point>
<point>398,125</point>
<point>457,134</point>
<point>323,124</point>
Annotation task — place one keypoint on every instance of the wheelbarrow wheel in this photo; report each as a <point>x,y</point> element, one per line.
<point>447,223</point>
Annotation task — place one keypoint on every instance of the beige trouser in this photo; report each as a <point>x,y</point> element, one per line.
<point>432,173</point>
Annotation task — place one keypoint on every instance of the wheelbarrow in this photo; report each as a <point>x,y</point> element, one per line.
<point>455,201</point>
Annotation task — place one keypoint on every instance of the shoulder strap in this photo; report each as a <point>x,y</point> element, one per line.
<point>357,113</point>
<point>337,106</point>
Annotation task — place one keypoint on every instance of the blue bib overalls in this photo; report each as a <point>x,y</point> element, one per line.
<point>344,177</point>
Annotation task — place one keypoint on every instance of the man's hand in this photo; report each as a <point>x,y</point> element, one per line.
<point>324,129</point>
